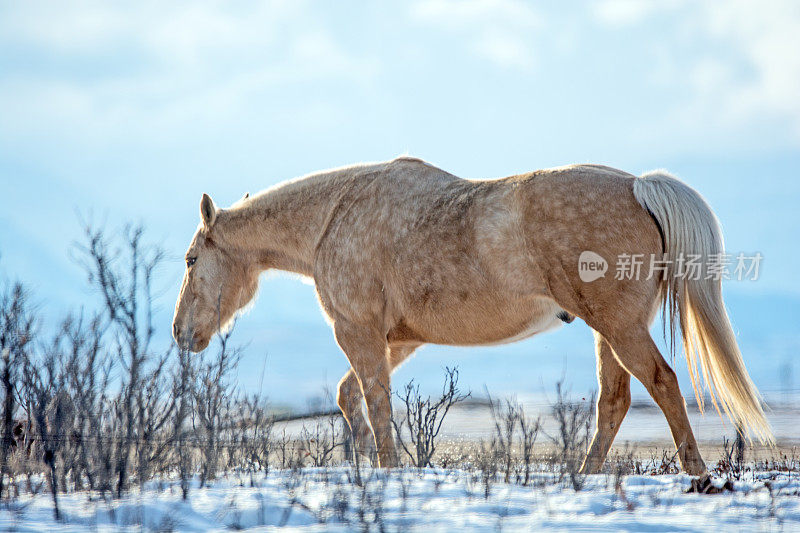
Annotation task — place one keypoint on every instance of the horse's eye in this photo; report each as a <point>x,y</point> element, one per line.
<point>190,261</point>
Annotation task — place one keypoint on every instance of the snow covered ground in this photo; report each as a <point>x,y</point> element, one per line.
<point>435,500</point>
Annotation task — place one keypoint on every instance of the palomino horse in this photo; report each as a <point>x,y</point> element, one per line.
<point>403,253</point>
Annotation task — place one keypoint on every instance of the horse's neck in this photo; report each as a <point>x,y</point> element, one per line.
<point>281,227</point>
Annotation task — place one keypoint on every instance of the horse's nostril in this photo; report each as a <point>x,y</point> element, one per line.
<point>175,330</point>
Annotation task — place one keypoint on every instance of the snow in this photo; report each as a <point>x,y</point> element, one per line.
<point>325,499</point>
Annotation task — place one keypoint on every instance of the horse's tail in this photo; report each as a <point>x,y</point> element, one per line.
<point>689,228</point>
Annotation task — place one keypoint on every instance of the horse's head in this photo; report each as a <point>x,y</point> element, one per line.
<point>219,280</point>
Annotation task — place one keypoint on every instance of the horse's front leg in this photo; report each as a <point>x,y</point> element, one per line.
<point>367,351</point>
<point>349,400</point>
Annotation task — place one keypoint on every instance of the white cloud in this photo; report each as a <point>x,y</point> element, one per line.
<point>504,50</point>
<point>736,64</point>
<point>500,31</point>
<point>175,63</point>
<point>466,14</point>
<point>739,60</point>
<point>110,71</point>
<point>620,13</point>
<point>767,37</point>
<point>160,28</point>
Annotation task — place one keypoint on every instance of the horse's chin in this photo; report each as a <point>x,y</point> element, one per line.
<point>199,344</point>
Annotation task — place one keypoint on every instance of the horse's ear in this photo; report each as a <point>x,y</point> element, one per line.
<point>208,211</point>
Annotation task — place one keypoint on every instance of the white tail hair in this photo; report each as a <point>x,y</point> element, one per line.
<point>690,228</point>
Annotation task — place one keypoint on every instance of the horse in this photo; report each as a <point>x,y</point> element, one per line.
<point>402,253</point>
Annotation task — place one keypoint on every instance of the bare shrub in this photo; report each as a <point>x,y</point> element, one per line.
<point>731,464</point>
<point>666,463</point>
<point>515,452</point>
<point>48,409</point>
<point>487,461</point>
<point>87,369</point>
<point>212,403</point>
<point>423,417</point>
<point>96,407</point>
<point>124,279</point>
<point>505,416</point>
<point>319,442</point>
<point>154,409</point>
<point>181,439</point>
<point>17,323</point>
<point>739,445</point>
<point>289,452</point>
<point>573,421</point>
<point>255,442</point>
<point>623,464</point>
<point>529,429</point>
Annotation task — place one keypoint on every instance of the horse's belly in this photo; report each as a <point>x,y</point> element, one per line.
<point>538,325</point>
<point>486,325</point>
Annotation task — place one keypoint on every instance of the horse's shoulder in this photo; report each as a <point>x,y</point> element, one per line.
<point>403,173</point>
<point>407,160</point>
<point>411,171</point>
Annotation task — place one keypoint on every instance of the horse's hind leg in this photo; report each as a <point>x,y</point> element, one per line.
<point>612,404</point>
<point>639,355</point>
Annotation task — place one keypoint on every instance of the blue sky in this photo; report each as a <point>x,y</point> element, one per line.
<point>129,111</point>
